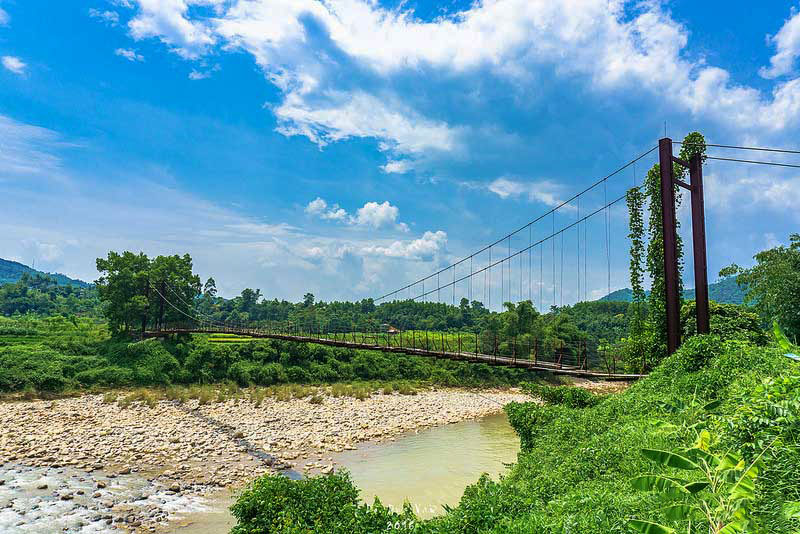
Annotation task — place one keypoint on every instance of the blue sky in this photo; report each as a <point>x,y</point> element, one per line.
<point>348,147</point>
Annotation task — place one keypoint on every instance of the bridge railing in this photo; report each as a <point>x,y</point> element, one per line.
<point>486,346</point>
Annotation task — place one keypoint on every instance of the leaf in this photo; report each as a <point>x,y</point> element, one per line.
<point>780,337</point>
<point>791,510</point>
<point>658,483</point>
<point>713,405</point>
<point>670,459</point>
<point>679,512</point>
<point>695,487</point>
<point>703,440</point>
<point>696,454</point>
<point>647,527</point>
<point>734,527</point>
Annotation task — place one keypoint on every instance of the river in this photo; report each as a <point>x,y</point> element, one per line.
<point>428,468</point>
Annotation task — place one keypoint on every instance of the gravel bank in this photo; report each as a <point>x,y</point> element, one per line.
<point>186,450</point>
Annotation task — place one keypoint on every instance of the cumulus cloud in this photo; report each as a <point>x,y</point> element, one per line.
<point>423,248</point>
<point>606,41</point>
<point>109,17</point>
<point>319,208</point>
<point>129,54</point>
<point>371,214</point>
<point>378,215</point>
<point>168,20</point>
<point>14,64</point>
<point>787,48</point>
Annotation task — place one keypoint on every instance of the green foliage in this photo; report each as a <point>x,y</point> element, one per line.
<point>329,504</point>
<point>43,295</point>
<point>773,285</point>
<point>728,321</point>
<point>571,396</point>
<point>576,466</point>
<point>720,494</point>
<point>56,354</point>
<point>130,284</point>
<point>635,201</point>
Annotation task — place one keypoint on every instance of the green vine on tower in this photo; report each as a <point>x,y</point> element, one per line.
<point>656,325</point>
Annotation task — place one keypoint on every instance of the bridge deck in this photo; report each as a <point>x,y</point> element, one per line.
<point>474,357</point>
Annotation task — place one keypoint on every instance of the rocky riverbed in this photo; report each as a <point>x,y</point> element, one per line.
<point>137,467</point>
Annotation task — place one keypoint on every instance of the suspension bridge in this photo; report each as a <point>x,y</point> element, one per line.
<point>580,227</point>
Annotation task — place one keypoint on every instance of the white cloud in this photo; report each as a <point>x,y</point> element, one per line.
<point>612,43</point>
<point>346,115</point>
<point>4,17</point>
<point>372,214</point>
<point>203,74</point>
<point>378,216</point>
<point>787,48</point>
<point>27,151</point>
<point>129,54</point>
<point>167,20</point>
<point>755,193</point>
<point>14,64</point>
<point>545,192</point>
<point>135,212</point>
<point>423,248</point>
<point>319,208</point>
<point>109,17</point>
<point>397,166</point>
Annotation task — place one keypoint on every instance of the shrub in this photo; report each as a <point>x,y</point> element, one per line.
<point>728,321</point>
<point>36,367</point>
<point>571,396</point>
<point>274,503</point>
<point>110,376</point>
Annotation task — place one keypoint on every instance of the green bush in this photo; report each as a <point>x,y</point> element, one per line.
<point>34,367</point>
<point>571,396</point>
<point>728,321</point>
<point>110,376</point>
<point>329,504</point>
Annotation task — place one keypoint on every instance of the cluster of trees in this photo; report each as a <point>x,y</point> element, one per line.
<point>43,295</point>
<point>136,290</point>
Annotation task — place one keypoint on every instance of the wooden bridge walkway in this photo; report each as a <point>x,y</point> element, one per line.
<point>472,357</point>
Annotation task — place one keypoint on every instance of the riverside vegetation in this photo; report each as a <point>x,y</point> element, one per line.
<point>709,442</point>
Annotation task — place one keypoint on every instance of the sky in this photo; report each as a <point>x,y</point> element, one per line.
<point>349,147</point>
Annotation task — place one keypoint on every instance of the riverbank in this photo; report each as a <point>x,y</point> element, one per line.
<point>188,450</point>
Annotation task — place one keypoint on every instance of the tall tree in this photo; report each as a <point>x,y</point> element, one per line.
<point>123,287</point>
<point>773,285</point>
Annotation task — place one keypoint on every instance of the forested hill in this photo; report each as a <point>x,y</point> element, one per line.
<point>11,271</point>
<point>725,291</point>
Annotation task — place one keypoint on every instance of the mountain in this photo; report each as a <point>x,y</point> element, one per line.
<point>11,271</point>
<point>725,290</point>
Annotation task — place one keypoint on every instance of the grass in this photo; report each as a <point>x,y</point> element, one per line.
<point>229,391</point>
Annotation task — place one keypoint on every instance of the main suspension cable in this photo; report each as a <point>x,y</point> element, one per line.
<point>537,219</point>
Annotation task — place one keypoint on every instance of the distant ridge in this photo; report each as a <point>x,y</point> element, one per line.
<point>726,291</point>
<point>11,271</point>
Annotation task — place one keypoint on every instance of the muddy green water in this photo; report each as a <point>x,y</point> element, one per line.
<point>428,469</point>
